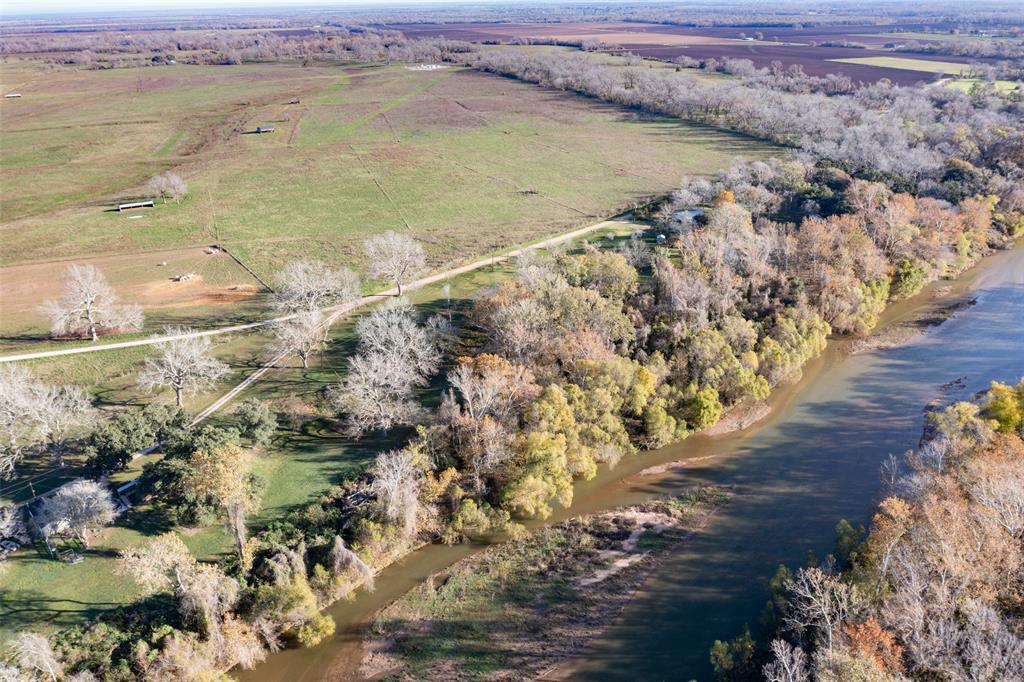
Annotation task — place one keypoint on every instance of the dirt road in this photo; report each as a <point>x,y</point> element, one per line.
<point>335,312</point>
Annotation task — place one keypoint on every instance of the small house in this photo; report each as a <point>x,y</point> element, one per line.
<point>132,205</point>
<point>293,101</point>
<point>12,95</point>
<point>264,129</point>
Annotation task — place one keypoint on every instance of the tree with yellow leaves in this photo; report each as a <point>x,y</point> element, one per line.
<point>223,474</point>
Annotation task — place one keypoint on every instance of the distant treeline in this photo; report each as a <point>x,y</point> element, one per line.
<point>906,133</point>
<point>114,50</point>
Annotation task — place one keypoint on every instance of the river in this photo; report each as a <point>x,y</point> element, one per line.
<point>813,460</point>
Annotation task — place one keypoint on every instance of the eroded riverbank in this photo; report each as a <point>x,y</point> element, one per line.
<point>811,461</point>
<point>520,607</point>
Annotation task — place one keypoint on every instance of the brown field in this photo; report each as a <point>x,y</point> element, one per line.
<point>145,279</point>
<point>783,44</point>
<point>867,34</point>
<point>816,61</point>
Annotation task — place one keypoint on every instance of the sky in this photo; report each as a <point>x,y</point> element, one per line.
<point>12,7</point>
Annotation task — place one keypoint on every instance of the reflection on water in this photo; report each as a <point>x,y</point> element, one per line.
<point>814,461</point>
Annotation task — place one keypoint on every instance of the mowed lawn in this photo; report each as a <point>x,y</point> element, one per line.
<point>467,162</point>
<point>925,65</point>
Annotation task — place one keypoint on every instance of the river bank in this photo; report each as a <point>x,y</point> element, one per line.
<point>518,608</point>
<point>814,461</point>
<point>835,383</point>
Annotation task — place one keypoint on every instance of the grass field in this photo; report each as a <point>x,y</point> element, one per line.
<point>966,84</point>
<point>925,65</point>
<point>617,60</point>
<point>443,154</point>
<point>79,137</point>
<point>110,378</point>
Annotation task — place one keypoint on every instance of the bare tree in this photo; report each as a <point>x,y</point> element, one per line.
<point>89,305</point>
<point>11,673</point>
<point>788,664</point>
<point>33,651</point>
<point>159,566</point>
<point>18,397</point>
<point>397,257</point>
<point>344,560</point>
<point>520,330</point>
<point>60,411</point>
<point>169,186</point>
<point>183,365</point>
<point>166,565</point>
<point>78,508</point>
<point>819,603</point>
<point>207,597</point>
<point>301,336</point>
<point>1004,495</point>
<point>684,293</point>
<point>395,356</point>
<point>391,330</point>
<point>991,650</point>
<point>11,525</point>
<point>489,385</point>
<point>376,393</point>
<point>396,482</point>
<point>10,521</point>
<point>313,285</point>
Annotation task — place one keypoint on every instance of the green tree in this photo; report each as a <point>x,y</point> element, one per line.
<point>848,539</point>
<point>114,443</point>
<point>541,476</point>
<point>256,421</point>
<point>1006,406</point>
<point>733,661</point>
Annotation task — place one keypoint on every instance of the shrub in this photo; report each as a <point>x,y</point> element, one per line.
<point>314,632</point>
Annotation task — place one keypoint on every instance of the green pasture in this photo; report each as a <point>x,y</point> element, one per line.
<point>81,137</point>
<point>968,84</point>
<point>465,161</point>
<point>924,65</point>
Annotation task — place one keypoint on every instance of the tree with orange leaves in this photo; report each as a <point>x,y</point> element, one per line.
<point>870,640</point>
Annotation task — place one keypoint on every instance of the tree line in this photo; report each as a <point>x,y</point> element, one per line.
<point>907,133</point>
<point>101,50</point>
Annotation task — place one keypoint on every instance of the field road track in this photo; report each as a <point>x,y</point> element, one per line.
<point>333,312</point>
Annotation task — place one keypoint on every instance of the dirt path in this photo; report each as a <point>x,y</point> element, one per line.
<point>333,312</point>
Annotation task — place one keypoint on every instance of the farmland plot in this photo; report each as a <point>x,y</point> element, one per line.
<point>446,154</point>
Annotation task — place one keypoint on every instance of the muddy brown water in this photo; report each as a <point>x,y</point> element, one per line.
<point>812,461</point>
